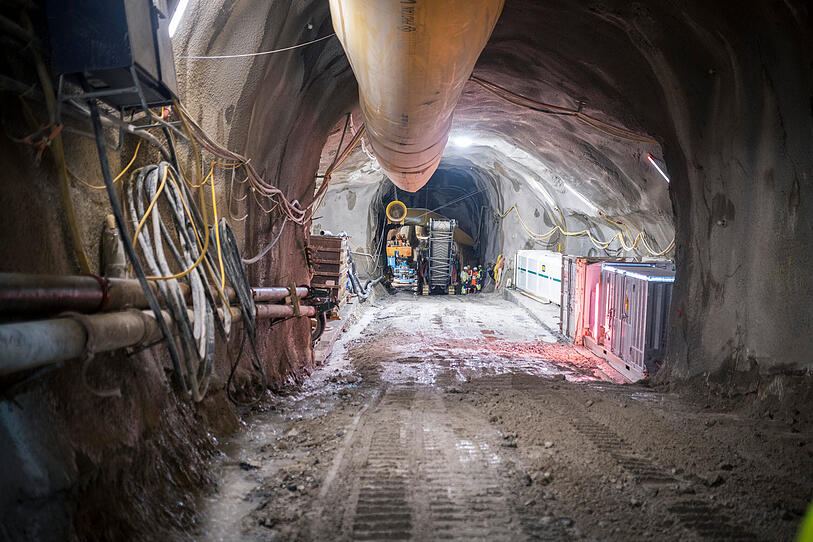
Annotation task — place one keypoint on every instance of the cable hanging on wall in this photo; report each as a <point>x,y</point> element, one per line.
<point>593,122</point>
<point>641,238</point>
<point>198,339</point>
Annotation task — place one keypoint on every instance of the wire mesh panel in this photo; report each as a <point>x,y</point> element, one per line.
<point>441,252</point>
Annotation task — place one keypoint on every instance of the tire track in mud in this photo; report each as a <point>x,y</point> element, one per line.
<point>383,509</point>
<point>429,469</point>
<point>460,479</point>
<point>702,517</point>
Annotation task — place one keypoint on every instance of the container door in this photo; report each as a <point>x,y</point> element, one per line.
<point>633,332</point>
<point>572,298</point>
<point>577,300</point>
<point>617,315</point>
<point>610,288</point>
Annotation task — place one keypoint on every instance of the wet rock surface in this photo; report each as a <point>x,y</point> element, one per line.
<point>417,428</point>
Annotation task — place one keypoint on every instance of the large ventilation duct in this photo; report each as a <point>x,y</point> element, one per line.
<point>411,59</point>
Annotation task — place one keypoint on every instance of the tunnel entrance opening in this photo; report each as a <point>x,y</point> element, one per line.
<point>527,207</point>
<point>458,192</point>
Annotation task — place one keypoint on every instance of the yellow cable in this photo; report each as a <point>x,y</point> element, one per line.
<point>217,233</point>
<point>641,237</point>
<point>149,208</point>
<point>633,240</point>
<point>102,187</point>
<point>197,237</point>
<point>203,249</point>
<point>205,179</point>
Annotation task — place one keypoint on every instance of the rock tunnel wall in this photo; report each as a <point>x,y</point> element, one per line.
<point>76,465</point>
<point>737,93</point>
<point>725,89</point>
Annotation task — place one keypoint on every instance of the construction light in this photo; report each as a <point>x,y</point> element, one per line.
<point>461,141</point>
<point>652,161</point>
<point>177,16</point>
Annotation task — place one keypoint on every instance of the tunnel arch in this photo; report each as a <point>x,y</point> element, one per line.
<point>723,88</point>
<point>458,190</point>
<point>699,79</point>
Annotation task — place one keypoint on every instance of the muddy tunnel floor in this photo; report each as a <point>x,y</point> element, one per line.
<point>462,418</point>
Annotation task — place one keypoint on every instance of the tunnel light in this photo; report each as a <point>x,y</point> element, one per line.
<point>177,16</point>
<point>461,141</point>
<point>652,161</point>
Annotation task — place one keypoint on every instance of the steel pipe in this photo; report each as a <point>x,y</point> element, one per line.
<point>283,311</point>
<point>24,294</point>
<point>48,294</point>
<point>276,293</point>
<point>27,345</point>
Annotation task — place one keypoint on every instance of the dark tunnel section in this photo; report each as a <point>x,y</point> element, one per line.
<point>458,190</point>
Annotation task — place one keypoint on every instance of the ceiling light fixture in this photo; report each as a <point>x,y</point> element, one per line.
<point>652,161</point>
<point>177,16</point>
<point>461,141</point>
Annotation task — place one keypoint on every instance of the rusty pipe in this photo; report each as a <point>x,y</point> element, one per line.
<point>276,293</point>
<point>30,294</point>
<point>266,311</point>
<point>28,345</point>
<point>49,294</point>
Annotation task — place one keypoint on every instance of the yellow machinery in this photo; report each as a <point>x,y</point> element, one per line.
<point>396,212</point>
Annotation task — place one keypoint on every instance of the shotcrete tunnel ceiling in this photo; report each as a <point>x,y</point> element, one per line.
<point>567,166</point>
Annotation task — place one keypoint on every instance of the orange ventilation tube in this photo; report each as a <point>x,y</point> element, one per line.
<point>411,59</point>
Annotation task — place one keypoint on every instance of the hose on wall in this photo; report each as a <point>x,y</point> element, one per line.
<point>198,340</point>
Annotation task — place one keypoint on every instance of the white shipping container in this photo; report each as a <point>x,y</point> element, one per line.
<point>539,274</point>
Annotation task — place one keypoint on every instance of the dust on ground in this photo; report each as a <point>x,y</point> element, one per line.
<point>458,418</point>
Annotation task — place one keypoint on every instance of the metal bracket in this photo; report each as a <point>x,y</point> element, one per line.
<point>294,299</point>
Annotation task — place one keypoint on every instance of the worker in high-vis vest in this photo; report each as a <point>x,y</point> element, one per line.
<point>498,271</point>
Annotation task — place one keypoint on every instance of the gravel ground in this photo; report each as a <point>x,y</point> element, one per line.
<point>457,419</point>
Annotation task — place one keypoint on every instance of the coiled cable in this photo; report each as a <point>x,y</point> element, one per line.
<point>197,337</point>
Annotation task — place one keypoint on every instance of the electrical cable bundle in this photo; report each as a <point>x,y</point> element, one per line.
<point>337,161</point>
<point>197,339</point>
<point>534,105</point>
<point>290,209</point>
<point>237,276</point>
<point>603,245</point>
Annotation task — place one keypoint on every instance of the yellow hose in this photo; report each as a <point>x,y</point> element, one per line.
<point>59,156</point>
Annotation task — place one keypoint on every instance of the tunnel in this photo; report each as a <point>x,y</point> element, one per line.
<point>459,191</point>
<point>406,270</point>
